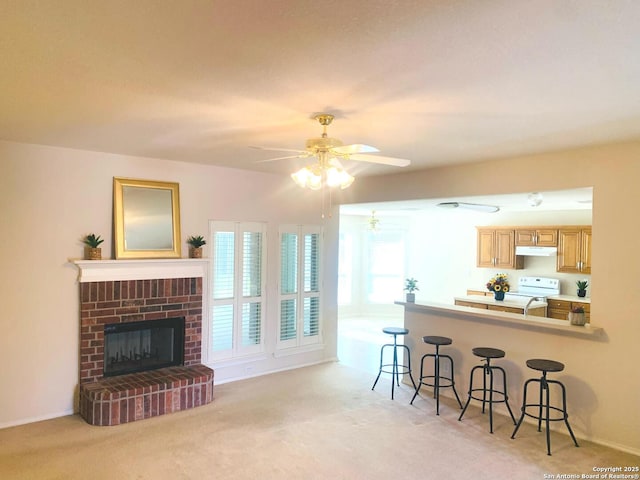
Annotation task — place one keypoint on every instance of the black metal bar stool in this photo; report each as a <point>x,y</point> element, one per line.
<point>488,370</point>
<point>545,366</point>
<point>395,367</point>
<point>436,379</point>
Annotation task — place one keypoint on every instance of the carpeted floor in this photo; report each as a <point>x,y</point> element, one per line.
<point>320,422</point>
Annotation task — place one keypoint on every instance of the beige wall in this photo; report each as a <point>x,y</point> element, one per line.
<point>608,372</point>
<point>50,198</point>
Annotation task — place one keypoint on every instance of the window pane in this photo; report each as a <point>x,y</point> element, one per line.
<point>287,319</point>
<point>311,255</point>
<point>289,266</point>
<point>311,316</point>
<point>222,327</point>
<point>223,265</point>
<point>251,264</point>
<point>251,323</point>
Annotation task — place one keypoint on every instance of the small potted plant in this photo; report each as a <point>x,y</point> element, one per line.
<point>410,286</point>
<point>577,316</point>
<point>582,287</point>
<point>92,250</point>
<point>195,246</point>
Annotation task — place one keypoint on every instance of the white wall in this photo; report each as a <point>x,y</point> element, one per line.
<point>608,368</point>
<point>50,198</point>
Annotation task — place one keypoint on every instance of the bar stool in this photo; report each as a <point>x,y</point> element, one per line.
<point>436,379</point>
<point>545,366</point>
<point>395,367</point>
<point>488,370</point>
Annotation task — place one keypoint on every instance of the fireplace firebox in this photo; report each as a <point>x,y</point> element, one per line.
<point>146,345</point>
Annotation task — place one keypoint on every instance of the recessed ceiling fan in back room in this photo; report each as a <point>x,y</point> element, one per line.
<point>328,171</point>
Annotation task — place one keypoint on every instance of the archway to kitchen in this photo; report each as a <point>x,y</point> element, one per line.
<point>380,245</point>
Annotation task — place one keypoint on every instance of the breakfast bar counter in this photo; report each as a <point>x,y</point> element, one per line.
<point>502,318</point>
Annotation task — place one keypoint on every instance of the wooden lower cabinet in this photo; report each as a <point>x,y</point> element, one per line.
<point>535,312</point>
<point>559,309</point>
<point>462,303</point>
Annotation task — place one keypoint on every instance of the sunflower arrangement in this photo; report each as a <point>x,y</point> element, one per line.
<point>499,283</point>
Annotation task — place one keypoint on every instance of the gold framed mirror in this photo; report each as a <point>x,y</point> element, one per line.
<point>146,218</point>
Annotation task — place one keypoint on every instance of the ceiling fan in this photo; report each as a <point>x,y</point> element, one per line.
<point>329,152</point>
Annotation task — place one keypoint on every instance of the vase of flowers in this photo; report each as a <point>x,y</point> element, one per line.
<point>577,316</point>
<point>499,285</point>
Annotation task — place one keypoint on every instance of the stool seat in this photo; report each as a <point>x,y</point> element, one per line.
<point>488,352</point>
<point>545,365</point>
<point>395,331</point>
<point>434,340</point>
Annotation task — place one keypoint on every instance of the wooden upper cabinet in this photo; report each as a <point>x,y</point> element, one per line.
<point>536,237</point>
<point>574,250</point>
<point>496,249</point>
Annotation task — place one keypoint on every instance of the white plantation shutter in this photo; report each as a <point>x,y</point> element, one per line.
<point>299,286</point>
<point>237,285</point>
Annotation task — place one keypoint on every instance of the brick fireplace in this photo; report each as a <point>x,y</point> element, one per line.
<point>115,292</point>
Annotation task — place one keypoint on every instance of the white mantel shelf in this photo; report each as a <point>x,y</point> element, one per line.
<point>147,269</point>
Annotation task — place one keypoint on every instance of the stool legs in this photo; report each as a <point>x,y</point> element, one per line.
<point>544,405</point>
<point>395,367</point>
<point>488,372</point>
<point>436,378</point>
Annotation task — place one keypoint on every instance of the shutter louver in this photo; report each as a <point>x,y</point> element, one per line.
<point>311,316</point>
<point>222,328</point>
<point>287,319</point>
<point>251,323</point>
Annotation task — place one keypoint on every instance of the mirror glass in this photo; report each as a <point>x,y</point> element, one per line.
<point>146,219</point>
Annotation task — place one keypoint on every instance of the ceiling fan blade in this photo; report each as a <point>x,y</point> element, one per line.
<point>334,162</point>
<point>276,149</point>
<point>355,148</point>
<point>302,155</point>
<point>396,162</point>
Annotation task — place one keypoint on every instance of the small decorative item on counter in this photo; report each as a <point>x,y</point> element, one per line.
<point>582,287</point>
<point>577,316</point>
<point>92,250</point>
<point>195,246</point>
<point>499,285</point>
<point>410,286</point>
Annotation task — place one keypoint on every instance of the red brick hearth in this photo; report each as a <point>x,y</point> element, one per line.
<point>125,398</point>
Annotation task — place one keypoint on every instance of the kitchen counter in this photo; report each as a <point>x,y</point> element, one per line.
<point>507,302</point>
<point>570,298</point>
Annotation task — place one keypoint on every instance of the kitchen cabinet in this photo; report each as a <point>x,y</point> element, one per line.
<point>560,309</point>
<point>544,237</point>
<point>574,250</point>
<point>535,312</point>
<point>497,249</point>
<point>481,293</point>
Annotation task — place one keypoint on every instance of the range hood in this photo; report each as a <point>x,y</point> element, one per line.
<point>537,251</point>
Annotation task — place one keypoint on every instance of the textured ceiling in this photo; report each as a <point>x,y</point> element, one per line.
<point>436,82</point>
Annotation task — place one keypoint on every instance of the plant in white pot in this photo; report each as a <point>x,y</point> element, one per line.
<point>410,286</point>
<point>195,246</point>
<point>92,250</point>
<point>577,316</point>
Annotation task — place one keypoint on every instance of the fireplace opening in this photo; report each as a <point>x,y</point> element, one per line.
<point>139,346</point>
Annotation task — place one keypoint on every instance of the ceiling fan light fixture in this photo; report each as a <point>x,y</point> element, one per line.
<point>306,178</point>
<point>336,177</point>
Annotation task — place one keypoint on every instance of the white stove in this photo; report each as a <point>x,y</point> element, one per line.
<point>540,287</point>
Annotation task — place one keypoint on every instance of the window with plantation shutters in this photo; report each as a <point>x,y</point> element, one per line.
<point>237,286</point>
<point>299,287</point>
